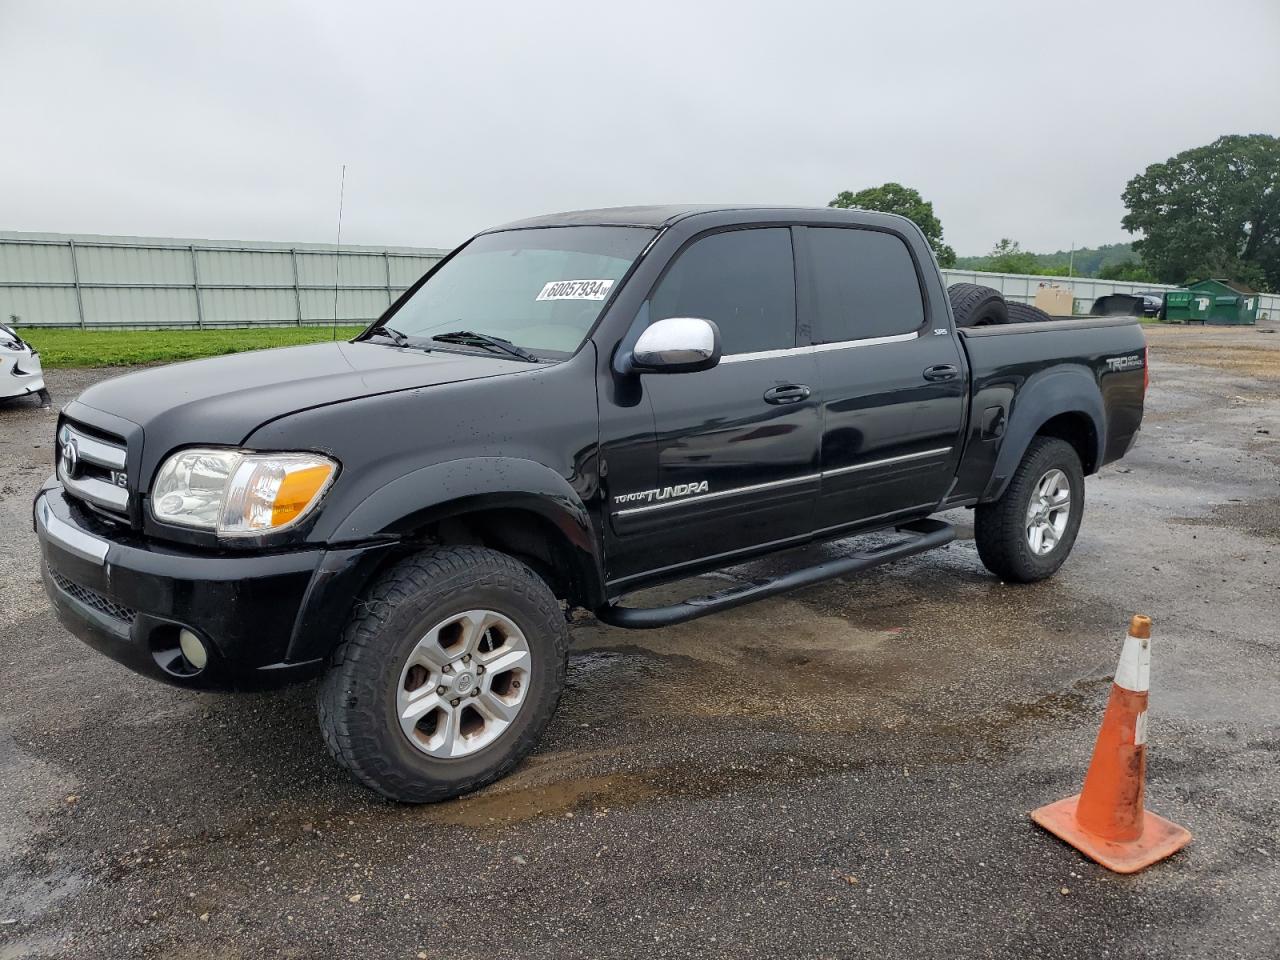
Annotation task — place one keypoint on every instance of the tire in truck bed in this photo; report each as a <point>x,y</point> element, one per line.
<point>974,305</point>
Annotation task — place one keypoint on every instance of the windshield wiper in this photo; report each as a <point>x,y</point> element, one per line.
<point>401,339</point>
<point>472,339</point>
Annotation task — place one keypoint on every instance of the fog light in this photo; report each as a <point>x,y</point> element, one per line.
<point>193,649</point>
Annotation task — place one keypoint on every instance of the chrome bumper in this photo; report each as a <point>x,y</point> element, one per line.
<point>74,541</point>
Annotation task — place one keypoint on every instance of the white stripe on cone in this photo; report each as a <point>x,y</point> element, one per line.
<point>1140,729</point>
<point>1134,671</point>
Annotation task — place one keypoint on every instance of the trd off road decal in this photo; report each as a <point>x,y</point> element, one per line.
<point>576,290</point>
<point>658,494</point>
<point>1132,362</point>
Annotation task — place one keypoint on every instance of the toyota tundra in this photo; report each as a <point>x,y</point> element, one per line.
<point>562,412</point>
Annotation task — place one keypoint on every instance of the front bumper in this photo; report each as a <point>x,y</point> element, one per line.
<point>265,618</point>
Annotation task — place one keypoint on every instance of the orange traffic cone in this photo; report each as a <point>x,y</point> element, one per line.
<point>1106,820</point>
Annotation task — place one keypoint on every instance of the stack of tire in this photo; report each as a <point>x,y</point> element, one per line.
<point>974,305</point>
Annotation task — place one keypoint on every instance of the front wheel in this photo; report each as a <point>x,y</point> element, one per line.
<point>449,672</point>
<point>1028,533</point>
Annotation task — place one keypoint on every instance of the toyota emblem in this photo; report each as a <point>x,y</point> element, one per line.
<point>70,459</point>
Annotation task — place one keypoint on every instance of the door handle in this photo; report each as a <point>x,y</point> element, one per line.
<point>790,393</point>
<point>941,371</point>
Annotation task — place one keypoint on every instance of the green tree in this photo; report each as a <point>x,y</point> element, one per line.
<point>1211,211</point>
<point>905,202</point>
<point>1134,270</point>
<point>1082,262</point>
<point>1007,256</point>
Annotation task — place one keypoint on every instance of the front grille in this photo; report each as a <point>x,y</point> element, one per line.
<point>91,598</point>
<point>91,467</point>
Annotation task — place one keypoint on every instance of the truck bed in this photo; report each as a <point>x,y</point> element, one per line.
<point>1016,366</point>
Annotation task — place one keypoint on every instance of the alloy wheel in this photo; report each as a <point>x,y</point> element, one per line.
<point>463,684</point>
<point>1048,512</point>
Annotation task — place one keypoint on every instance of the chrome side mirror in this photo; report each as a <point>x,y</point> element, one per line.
<point>677,345</point>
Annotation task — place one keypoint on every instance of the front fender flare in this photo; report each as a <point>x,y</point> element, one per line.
<point>1045,395</point>
<point>441,490</point>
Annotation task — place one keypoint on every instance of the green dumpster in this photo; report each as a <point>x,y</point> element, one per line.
<point>1228,302</point>
<point>1187,306</point>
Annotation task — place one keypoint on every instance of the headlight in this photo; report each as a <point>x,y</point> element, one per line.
<point>239,494</point>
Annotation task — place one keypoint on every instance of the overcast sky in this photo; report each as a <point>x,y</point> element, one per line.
<point>230,120</point>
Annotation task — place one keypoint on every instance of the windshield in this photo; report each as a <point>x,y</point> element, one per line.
<point>540,289</point>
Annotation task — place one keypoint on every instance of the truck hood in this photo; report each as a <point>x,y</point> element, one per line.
<point>223,399</point>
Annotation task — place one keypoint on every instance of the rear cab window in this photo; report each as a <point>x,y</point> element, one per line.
<point>864,285</point>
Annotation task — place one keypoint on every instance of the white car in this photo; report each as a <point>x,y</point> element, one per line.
<point>20,373</point>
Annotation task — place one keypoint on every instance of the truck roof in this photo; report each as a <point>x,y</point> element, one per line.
<point>662,215</point>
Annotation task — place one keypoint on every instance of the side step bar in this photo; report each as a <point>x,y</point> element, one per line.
<point>926,535</point>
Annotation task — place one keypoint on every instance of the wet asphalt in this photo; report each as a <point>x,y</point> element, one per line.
<point>842,772</point>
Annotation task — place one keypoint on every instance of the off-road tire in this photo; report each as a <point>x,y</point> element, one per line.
<point>973,305</point>
<point>357,696</point>
<point>1025,313</point>
<point>1000,528</point>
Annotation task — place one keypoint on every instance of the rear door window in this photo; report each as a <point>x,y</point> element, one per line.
<point>743,280</point>
<point>864,285</point>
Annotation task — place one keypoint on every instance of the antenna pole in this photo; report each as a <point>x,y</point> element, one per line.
<point>337,248</point>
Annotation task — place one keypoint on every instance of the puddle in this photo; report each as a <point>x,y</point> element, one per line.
<point>32,883</point>
<point>26,897</point>
<point>597,795</point>
<point>28,948</point>
<point>552,799</point>
<point>1258,518</point>
<point>778,659</point>
<point>586,664</point>
<point>773,632</point>
<point>1059,707</point>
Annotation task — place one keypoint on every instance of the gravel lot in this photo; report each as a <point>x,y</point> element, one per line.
<point>843,772</point>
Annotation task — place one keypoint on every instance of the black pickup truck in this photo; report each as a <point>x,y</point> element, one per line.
<point>561,412</point>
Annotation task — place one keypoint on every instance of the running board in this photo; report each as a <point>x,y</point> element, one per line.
<point>927,534</point>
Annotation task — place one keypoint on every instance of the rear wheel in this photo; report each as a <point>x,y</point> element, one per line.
<point>448,674</point>
<point>1028,533</point>
<point>973,305</point>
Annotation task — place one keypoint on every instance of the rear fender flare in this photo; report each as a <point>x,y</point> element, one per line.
<point>1045,395</point>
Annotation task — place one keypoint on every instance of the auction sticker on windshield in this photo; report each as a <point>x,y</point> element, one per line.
<point>576,290</point>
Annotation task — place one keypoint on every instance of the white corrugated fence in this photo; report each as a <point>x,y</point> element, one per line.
<point>93,281</point>
<point>62,280</point>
